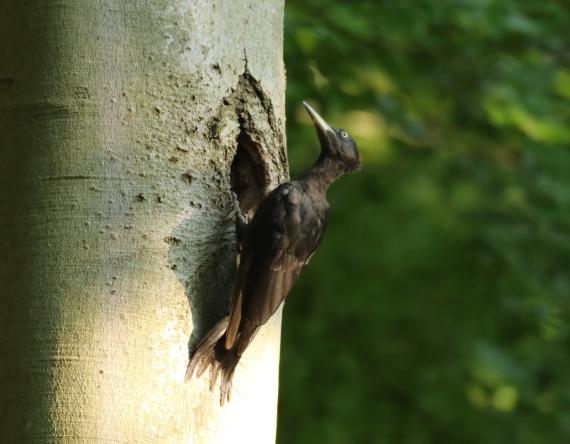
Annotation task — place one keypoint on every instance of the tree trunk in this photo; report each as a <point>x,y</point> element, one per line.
<point>123,127</point>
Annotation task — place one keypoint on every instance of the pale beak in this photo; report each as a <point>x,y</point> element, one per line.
<point>319,122</point>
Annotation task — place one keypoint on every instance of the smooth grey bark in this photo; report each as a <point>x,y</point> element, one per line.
<point>119,123</point>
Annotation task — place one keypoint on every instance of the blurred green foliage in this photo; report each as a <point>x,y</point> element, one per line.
<point>437,308</point>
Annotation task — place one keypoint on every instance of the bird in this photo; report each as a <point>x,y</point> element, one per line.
<point>276,245</point>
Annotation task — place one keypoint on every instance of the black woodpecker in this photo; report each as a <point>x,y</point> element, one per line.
<point>275,246</point>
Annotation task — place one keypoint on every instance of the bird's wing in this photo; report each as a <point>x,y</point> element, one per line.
<point>235,311</point>
<point>283,235</point>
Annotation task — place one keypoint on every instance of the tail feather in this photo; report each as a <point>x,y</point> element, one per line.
<point>205,355</point>
<point>231,358</point>
<point>214,372</point>
<point>211,352</point>
<point>228,367</point>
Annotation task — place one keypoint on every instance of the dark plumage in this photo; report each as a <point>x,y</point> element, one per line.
<point>279,241</point>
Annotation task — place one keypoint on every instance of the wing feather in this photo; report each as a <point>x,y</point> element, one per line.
<point>281,239</point>
<point>285,241</point>
<point>236,307</point>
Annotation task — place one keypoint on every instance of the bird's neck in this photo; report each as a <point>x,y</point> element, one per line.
<point>324,172</point>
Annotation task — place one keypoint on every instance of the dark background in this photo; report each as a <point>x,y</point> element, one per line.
<point>436,310</point>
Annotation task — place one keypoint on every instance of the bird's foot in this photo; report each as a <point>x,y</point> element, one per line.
<point>240,219</point>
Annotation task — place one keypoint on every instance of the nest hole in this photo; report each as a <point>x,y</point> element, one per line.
<point>249,179</point>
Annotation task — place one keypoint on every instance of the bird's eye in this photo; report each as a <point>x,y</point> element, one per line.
<point>344,134</point>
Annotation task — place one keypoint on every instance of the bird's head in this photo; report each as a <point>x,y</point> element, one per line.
<point>336,143</point>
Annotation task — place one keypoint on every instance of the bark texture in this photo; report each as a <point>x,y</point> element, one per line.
<point>120,121</point>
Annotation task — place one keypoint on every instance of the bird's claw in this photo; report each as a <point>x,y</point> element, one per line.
<point>239,217</point>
